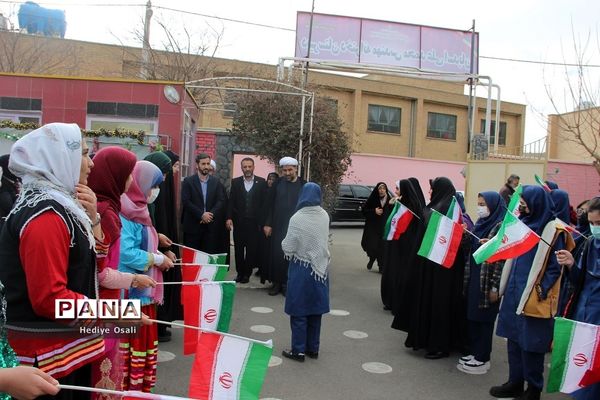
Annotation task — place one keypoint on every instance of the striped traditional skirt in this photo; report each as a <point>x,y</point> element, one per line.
<point>139,355</point>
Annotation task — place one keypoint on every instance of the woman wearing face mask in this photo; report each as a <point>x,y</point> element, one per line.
<point>482,282</point>
<point>162,213</point>
<point>139,254</point>
<point>530,298</point>
<point>585,274</point>
<point>376,210</point>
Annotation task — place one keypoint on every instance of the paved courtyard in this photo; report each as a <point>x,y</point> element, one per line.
<point>361,357</point>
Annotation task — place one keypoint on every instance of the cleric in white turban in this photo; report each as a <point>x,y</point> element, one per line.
<point>288,161</point>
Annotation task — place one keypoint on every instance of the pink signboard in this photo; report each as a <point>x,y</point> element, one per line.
<point>357,40</point>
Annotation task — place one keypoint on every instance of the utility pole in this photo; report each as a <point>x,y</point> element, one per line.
<point>305,77</point>
<point>146,43</point>
<point>304,83</point>
<point>472,93</point>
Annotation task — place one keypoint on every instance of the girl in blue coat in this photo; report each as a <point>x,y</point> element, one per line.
<point>585,275</point>
<point>529,337</point>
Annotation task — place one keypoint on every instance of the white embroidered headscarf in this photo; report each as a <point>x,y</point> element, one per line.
<point>48,161</point>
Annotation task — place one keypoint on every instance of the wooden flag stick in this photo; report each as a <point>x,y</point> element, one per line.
<point>195,283</point>
<point>266,343</point>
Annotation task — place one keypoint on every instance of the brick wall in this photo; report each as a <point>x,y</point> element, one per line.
<point>206,143</point>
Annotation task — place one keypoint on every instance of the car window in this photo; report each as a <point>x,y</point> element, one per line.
<point>345,191</point>
<point>362,192</point>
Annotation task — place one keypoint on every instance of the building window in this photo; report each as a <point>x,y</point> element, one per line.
<point>501,132</point>
<point>384,119</point>
<point>110,124</point>
<point>122,109</point>
<point>441,126</point>
<point>20,103</point>
<point>21,116</point>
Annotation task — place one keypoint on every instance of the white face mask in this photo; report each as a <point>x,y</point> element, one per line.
<point>483,211</point>
<point>153,195</point>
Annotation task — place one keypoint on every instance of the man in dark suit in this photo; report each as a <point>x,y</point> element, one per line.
<point>245,201</point>
<point>202,200</point>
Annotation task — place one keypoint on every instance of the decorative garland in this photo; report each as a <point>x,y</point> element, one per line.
<point>117,133</point>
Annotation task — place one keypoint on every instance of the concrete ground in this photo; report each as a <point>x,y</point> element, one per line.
<point>339,373</point>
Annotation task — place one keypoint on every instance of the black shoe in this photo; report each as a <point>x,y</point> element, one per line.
<point>274,289</point>
<point>532,393</point>
<point>245,279</point>
<point>508,389</point>
<point>370,263</point>
<point>436,355</point>
<point>293,356</point>
<point>163,331</point>
<point>312,354</point>
<point>257,273</point>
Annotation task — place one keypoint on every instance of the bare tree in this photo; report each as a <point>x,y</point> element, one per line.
<point>179,55</point>
<point>577,111</point>
<point>32,54</point>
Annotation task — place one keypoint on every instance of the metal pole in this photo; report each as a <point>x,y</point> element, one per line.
<point>301,134</point>
<point>497,127</point>
<point>471,109</point>
<point>310,130</point>
<point>488,114</point>
<point>305,77</point>
<point>146,43</point>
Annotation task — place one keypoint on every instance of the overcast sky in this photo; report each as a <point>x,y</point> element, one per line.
<point>518,29</point>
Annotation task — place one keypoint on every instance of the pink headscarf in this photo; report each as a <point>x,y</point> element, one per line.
<point>134,207</point>
<point>134,204</point>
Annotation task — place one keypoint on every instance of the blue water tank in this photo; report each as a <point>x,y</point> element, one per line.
<point>38,20</point>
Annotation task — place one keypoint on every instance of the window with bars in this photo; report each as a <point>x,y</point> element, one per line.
<point>384,119</point>
<point>441,126</point>
<point>501,132</point>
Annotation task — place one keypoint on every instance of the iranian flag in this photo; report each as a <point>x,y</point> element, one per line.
<point>575,356</point>
<point>543,184</point>
<point>441,240</point>
<point>204,273</point>
<point>228,367</point>
<point>567,227</point>
<point>207,306</point>
<point>454,212</point>
<point>397,222</point>
<point>134,395</point>
<point>192,256</point>
<point>513,238</point>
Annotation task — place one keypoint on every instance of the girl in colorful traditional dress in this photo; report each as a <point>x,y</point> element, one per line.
<point>47,254</point>
<point>110,178</point>
<point>139,254</point>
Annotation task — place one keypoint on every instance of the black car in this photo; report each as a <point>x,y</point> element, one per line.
<point>348,206</point>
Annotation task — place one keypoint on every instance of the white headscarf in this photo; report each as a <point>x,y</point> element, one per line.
<point>48,160</point>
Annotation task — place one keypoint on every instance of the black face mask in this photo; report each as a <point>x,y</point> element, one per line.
<point>523,210</point>
<point>582,220</point>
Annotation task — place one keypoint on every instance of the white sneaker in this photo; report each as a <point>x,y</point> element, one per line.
<point>465,359</point>
<point>474,367</point>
